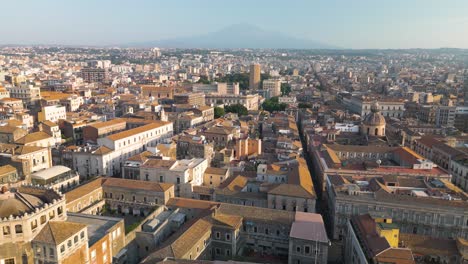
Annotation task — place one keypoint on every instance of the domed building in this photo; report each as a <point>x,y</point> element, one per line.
<point>24,211</point>
<point>374,123</point>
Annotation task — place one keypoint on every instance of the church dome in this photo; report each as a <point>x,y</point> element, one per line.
<point>374,118</point>
<point>17,204</point>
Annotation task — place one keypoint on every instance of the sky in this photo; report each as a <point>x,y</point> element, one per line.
<point>354,24</point>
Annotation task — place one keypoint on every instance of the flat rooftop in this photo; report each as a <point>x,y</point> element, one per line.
<point>98,226</point>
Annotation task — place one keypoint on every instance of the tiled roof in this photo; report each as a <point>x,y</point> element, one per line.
<point>56,232</point>
<point>137,130</point>
<point>216,171</point>
<point>82,190</point>
<point>7,169</point>
<point>158,163</point>
<point>33,137</point>
<point>136,184</point>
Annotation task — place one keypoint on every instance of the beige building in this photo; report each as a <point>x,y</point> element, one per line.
<point>214,176</point>
<point>273,87</point>
<point>26,92</point>
<point>248,147</point>
<point>374,123</point>
<point>9,134</point>
<point>250,101</point>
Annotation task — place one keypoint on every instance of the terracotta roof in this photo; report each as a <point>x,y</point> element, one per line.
<point>9,129</point>
<point>102,150</point>
<point>232,221</point>
<point>82,190</point>
<point>33,137</point>
<point>137,130</point>
<point>158,163</point>
<point>425,245</point>
<point>7,169</point>
<point>49,123</point>
<point>191,203</point>
<point>141,157</point>
<point>108,123</point>
<point>136,184</point>
<point>395,256</point>
<point>56,232</point>
<point>216,171</point>
<point>258,213</point>
<point>291,190</point>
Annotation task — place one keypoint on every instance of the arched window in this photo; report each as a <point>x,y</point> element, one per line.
<point>376,131</point>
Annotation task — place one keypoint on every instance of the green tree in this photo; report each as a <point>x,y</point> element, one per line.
<point>285,89</point>
<point>272,105</point>
<point>304,105</point>
<point>204,80</point>
<point>237,109</point>
<point>241,78</point>
<point>219,112</point>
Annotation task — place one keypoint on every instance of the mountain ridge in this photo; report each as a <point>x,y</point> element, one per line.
<point>237,36</point>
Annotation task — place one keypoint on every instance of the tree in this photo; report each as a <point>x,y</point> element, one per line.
<point>285,89</point>
<point>204,79</point>
<point>238,109</point>
<point>241,78</point>
<point>219,112</point>
<point>304,105</point>
<point>272,104</point>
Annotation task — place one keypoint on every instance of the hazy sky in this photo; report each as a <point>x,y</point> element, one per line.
<point>343,23</point>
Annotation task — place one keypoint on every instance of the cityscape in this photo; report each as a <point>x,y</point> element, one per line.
<point>243,145</point>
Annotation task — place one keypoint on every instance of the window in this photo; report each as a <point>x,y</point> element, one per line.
<point>255,229</point>
<point>266,231</point>
<point>161,178</point>
<point>33,224</point>
<point>218,235</point>
<point>62,249</point>
<point>6,231</point>
<point>277,232</point>
<point>298,249</point>
<point>307,250</point>
<point>51,252</point>
<point>228,237</point>
<point>93,254</point>
<point>104,258</point>
<point>228,252</point>
<point>218,251</point>
<point>69,243</point>
<point>9,261</point>
<point>75,239</point>
<point>18,229</point>
<point>82,234</point>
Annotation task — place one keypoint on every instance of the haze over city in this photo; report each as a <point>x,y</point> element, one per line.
<point>360,24</point>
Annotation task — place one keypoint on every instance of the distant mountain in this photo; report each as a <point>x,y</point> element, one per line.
<point>238,36</point>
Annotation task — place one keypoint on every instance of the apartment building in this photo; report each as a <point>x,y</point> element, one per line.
<point>52,113</point>
<point>108,157</point>
<point>250,101</point>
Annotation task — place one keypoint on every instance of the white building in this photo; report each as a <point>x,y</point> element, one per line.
<point>107,159</point>
<point>184,174</point>
<point>52,113</point>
